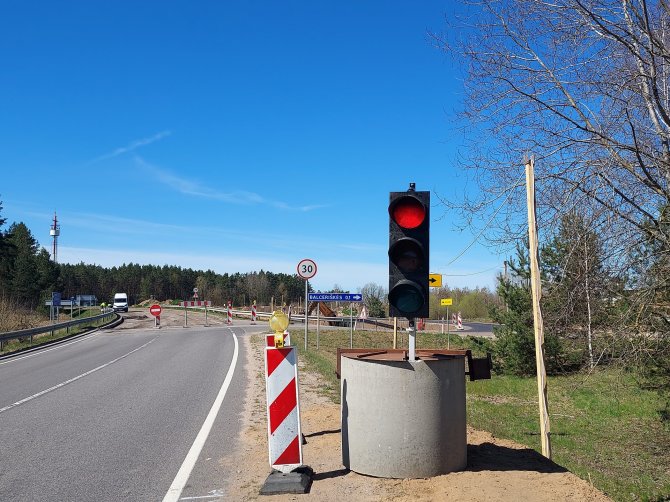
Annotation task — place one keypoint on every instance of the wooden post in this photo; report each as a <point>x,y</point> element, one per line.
<point>536,288</point>
<point>395,332</point>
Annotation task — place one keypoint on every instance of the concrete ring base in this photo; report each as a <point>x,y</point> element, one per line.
<point>403,419</point>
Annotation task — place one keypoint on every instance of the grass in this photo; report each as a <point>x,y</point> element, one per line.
<point>20,344</point>
<point>604,428</point>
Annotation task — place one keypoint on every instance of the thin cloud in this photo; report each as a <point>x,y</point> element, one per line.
<point>196,189</point>
<point>304,209</point>
<point>129,227</point>
<point>134,145</point>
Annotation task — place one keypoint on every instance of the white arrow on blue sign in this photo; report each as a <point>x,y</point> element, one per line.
<point>335,297</point>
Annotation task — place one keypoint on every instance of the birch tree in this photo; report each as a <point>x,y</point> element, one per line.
<point>584,86</point>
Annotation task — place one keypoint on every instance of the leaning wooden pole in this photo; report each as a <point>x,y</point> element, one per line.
<point>536,289</point>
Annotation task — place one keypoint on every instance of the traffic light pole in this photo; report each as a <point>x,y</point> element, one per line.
<point>411,330</point>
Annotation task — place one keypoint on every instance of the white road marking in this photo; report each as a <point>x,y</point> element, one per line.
<point>63,384</point>
<point>214,494</point>
<point>174,492</point>
<point>44,351</point>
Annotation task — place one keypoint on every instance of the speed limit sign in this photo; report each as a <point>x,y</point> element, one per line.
<point>307,268</point>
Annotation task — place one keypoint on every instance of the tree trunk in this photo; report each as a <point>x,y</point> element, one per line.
<point>588,304</point>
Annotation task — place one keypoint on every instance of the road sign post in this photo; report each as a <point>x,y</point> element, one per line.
<point>155,310</point>
<point>306,270</point>
<point>318,314</point>
<point>55,305</point>
<point>445,302</point>
<point>351,325</point>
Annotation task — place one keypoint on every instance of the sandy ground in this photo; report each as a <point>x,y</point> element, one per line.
<point>498,470</point>
<point>140,317</point>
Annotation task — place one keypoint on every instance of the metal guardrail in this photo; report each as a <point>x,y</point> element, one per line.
<point>30,332</point>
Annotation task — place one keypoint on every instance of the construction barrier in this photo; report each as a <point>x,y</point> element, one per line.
<point>460,321</point>
<point>196,303</point>
<point>283,408</point>
<point>253,313</point>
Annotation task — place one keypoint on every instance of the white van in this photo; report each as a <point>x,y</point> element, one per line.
<point>120,302</point>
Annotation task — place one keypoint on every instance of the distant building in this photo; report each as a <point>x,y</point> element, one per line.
<point>86,300</point>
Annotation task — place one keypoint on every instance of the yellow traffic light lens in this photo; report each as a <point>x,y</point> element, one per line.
<point>408,255</point>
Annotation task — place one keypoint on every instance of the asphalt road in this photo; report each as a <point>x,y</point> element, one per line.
<point>477,329</point>
<point>113,415</point>
<point>482,329</point>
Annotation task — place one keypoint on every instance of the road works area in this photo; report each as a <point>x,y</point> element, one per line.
<point>498,470</point>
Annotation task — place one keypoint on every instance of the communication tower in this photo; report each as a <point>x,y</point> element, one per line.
<point>55,232</point>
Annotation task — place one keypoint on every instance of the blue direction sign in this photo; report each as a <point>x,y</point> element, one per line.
<point>335,297</point>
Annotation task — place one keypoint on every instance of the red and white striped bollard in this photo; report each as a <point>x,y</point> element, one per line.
<point>283,408</point>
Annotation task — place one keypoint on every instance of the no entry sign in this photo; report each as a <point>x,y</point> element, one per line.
<point>155,310</point>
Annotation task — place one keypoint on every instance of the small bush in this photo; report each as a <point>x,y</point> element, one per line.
<point>514,353</point>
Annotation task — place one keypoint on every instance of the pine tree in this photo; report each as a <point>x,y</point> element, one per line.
<point>6,251</point>
<point>652,279</point>
<point>514,347</point>
<point>23,275</point>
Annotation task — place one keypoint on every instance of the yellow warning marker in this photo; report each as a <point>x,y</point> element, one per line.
<point>278,324</point>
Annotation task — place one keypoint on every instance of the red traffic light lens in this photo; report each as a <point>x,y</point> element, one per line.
<point>408,212</point>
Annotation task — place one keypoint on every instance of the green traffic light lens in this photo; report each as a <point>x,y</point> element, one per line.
<point>408,212</point>
<point>406,297</point>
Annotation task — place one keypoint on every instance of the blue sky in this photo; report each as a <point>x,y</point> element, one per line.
<point>232,136</point>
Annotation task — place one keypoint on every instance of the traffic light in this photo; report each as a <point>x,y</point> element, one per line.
<point>409,246</point>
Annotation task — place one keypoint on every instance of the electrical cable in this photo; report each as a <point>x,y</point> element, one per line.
<point>511,191</point>
<point>473,273</point>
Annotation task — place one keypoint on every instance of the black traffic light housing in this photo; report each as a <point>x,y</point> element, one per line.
<point>409,247</point>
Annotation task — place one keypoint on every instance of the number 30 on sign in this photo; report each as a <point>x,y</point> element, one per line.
<point>306,268</point>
